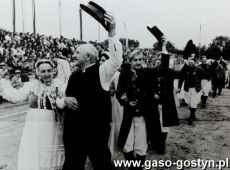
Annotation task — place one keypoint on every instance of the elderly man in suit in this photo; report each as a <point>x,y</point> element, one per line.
<point>88,105</point>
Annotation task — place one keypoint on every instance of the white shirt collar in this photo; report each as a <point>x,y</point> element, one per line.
<point>88,67</point>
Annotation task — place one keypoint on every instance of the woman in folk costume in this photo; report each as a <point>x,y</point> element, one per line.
<point>64,70</point>
<point>117,116</point>
<point>117,109</point>
<point>41,146</point>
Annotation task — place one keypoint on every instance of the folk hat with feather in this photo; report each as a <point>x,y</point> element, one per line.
<point>190,48</point>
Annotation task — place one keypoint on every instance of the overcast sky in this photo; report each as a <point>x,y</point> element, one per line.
<point>179,20</point>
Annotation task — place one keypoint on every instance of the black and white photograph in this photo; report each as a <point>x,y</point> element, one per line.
<point>114,85</point>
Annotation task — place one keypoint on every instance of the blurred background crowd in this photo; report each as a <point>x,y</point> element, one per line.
<point>20,51</point>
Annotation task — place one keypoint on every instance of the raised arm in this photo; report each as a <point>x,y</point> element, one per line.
<point>14,95</point>
<point>109,68</point>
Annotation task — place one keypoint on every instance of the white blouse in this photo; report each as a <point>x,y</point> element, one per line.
<point>36,93</point>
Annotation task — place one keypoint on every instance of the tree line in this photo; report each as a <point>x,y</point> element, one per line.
<point>220,46</point>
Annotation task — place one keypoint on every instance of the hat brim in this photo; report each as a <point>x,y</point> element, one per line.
<point>156,33</point>
<point>99,15</point>
<point>97,6</point>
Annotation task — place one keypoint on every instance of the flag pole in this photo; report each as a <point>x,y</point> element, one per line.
<point>23,24</point>
<point>60,14</point>
<point>34,17</point>
<point>199,41</point>
<point>99,33</point>
<point>126,36</point>
<point>14,19</point>
<point>80,15</point>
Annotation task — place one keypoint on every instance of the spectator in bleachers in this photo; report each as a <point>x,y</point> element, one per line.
<point>19,79</point>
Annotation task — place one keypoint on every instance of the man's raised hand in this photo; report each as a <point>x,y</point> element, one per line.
<point>112,24</point>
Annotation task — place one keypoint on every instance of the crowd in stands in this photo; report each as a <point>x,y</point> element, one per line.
<point>20,51</point>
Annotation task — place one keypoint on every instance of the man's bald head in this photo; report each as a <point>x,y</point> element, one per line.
<point>89,50</point>
<point>85,55</point>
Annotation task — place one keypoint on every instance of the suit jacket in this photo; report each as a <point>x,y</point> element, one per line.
<point>91,121</point>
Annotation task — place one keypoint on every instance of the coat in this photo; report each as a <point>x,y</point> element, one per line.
<point>146,104</point>
<point>163,87</point>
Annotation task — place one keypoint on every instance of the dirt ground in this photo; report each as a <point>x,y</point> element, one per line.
<point>209,139</point>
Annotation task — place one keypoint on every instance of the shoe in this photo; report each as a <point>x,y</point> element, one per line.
<point>203,106</point>
<point>129,156</point>
<point>142,160</point>
<point>192,114</point>
<point>160,149</point>
<point>194,119</point>
<point>214,94</point>
<point>190,122</point>
<point>203,101</point>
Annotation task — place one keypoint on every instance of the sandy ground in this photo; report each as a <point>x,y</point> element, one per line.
<point>209,139</point>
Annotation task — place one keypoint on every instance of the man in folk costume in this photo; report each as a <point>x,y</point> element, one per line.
<point>163,75</point>
<point>133,95</point>
<point>141,122</point>
<point>88,116</point>
<point>205,80</point>
<point>164,97</point>
<point>218,76</point>
<point>189,52</point>
<point>228,75</point>
<point>192,87</point>
<point>224,65</point>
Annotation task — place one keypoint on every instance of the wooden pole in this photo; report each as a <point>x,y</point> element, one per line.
<point>14,19</point>
<point>60,14</point>
<point>80,14</point>
<point>23,23</point>
<point>34,17</point>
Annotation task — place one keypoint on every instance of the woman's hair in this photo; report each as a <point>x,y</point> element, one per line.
<point>42,61</point>
<point>133,54</point>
